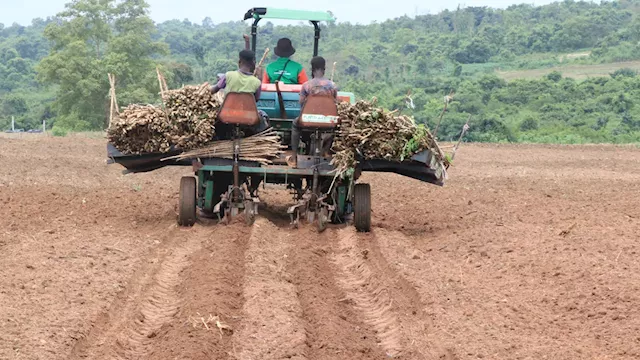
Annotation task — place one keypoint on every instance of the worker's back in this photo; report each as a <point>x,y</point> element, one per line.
<point>285,70</point>
<point>241,83</point>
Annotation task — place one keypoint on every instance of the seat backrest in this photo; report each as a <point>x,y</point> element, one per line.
<point>319,111</point>
<point>239,109</point>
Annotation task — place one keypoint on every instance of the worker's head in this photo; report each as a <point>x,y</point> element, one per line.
<point>317,66</point>
<point>247,61</point>
<point>284,48</point>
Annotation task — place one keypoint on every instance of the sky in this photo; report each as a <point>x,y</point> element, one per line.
<point>358,11</point>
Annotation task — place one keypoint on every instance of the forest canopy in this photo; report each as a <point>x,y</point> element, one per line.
<point>56,69</point>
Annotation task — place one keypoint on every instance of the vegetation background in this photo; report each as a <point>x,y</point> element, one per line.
<point>558,73</point>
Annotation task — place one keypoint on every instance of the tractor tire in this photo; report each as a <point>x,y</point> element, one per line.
<point>362,207</point>
<point>187,205</point>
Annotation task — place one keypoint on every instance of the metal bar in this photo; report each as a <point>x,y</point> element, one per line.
<point>209,201</point>
<point>316,38</point>
<point>236,166</point>
<point>269,170</point>
<point>254,34</point>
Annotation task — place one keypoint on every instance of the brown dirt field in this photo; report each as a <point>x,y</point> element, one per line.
<point>528,252</point>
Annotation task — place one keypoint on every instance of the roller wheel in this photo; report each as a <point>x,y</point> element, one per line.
<point>249,212</point>
<point>221,183</point>
<point>187,215</point>
<point>323,219</point>
<point>362,207</point>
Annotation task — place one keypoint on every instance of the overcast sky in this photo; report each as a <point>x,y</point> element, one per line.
<point>361,11</point>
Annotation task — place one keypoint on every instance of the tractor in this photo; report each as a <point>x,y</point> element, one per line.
<point>227,188</point>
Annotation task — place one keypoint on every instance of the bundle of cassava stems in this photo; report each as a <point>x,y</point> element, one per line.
<point>187,118</point>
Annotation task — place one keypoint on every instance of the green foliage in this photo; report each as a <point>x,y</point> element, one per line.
<point>60,131</point>
<point>431,55</point>
<point>420,141</point>
<point>554,76</point>
<point>529,124</point>
<point>624,72</point>
<point>90,40</point>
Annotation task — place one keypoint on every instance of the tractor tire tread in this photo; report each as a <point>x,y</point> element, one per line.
<point>187,204</point>
<point>362,207</point>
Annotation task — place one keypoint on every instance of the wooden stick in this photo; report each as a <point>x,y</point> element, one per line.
<point>464,131</point>
<point>164,83</point>
<point>111,99</point>
<point>333,70</point>
<point>160,83</point>
<point>113,107</point>
<point>264,56</point>
<point>405,101</point>
<point>115,97</point>
<point>448,99</point>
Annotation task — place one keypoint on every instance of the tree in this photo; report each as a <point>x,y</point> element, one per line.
<point>624,72</point>
<point>529,124</point>
<point>13,105</point>
<point>554,76</point>
<point>92,38</point>
<point>207,22</point>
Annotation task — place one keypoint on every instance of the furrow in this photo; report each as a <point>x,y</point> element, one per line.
<point>271,326</point>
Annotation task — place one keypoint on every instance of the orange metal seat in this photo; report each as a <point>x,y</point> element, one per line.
<point>319,112</point>
<point>239,109</point>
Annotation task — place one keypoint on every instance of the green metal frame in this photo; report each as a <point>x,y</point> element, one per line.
<point>270,170</point>
<point>288,14</point>
<point>271,174</point>
<point>314,17</point>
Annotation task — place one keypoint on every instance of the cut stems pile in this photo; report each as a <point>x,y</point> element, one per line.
<point>262,148</point>
<point>368,132</point>
<point>186,122</point>
<point>140,129</point>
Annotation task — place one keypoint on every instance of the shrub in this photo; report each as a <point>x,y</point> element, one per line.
<point>59,131</point>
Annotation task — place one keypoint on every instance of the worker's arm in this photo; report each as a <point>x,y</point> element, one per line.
<point>222,83</point>
<point>304,92</point>
<point>246,42</point>
<point>258,92</point>
<point>302,77</point>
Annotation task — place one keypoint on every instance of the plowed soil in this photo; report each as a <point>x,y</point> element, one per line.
<point>528,252</point>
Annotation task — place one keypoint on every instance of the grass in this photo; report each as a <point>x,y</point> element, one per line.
<point>578,72</point>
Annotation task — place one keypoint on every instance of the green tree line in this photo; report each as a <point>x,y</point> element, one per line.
<point>56,69</point>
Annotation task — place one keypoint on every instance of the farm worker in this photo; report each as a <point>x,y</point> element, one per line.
<point>284,69</point>
<point>318,85</point>
<point>243,81</point>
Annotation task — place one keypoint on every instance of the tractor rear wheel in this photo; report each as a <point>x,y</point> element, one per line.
<point>362,207</point>
<point>187,205</point>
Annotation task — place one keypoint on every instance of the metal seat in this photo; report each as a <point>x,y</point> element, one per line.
<point>239,109</point>
<point>319,112</point>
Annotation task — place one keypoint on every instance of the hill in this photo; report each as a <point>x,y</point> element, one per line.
<point>463,51</point>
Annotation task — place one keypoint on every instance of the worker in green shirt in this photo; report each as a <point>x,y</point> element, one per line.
<point>284,69</point>
<point>243,81</point>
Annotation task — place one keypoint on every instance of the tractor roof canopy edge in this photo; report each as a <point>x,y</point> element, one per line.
<point>314,17</point>
<point>287,14</point>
